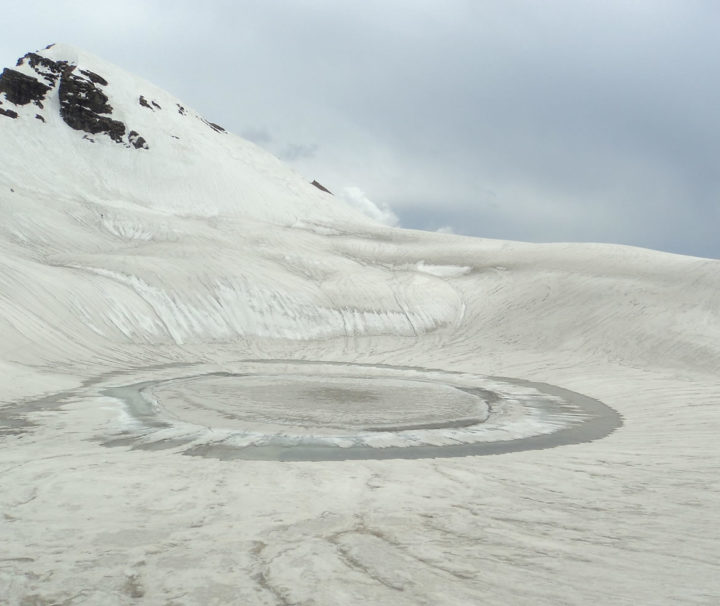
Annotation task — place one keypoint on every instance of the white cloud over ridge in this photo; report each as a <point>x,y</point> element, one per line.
<point>378,211</point>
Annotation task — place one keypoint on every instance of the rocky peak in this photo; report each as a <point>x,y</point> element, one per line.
<point>20,89</point>
<point>46,68</point>
<point>94,101</point>
<point>84,106</point>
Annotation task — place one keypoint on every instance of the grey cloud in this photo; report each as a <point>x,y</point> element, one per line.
<point>297,151</point>
<point>257,135</point>
<point>289,152</point>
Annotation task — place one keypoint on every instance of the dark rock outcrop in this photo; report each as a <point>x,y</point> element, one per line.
<point>76,90</point>
<point>21,89</point>
<point>150,105</point>
<point>83,105</point>
<point>137,141</point>
<point>144,102</point>
<point>46,68</point>
<point>94,78</point>
<point>321,187</point>
<point>216,127</point>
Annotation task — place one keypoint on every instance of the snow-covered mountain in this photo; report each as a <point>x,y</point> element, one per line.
<point>147,224</point>
<point>114,137</point>
<point>138,238</point>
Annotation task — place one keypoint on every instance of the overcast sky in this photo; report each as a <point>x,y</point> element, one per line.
<point>553,120</point>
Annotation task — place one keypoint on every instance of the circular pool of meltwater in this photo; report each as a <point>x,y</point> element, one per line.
<point>296,411</point>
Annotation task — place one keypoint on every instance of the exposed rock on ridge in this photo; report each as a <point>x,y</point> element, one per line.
<point>21,89</point>
<point>48,69</point>
<point>83,104</point>
<point>321,187</point>
<point>8,112</point>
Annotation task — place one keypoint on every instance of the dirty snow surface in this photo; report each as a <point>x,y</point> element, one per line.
<point>219,385</point>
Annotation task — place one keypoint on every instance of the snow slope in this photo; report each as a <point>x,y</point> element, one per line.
<point>196,251</point>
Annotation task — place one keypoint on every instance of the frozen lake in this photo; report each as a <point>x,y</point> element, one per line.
<point>290,411</point>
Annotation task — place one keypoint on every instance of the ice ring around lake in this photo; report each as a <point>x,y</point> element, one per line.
<point>301,411</point>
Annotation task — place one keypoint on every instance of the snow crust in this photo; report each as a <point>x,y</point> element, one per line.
<point>121,265</point>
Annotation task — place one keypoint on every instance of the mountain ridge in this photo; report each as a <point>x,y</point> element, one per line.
<point>64,102</point>
<point>204,238</point>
